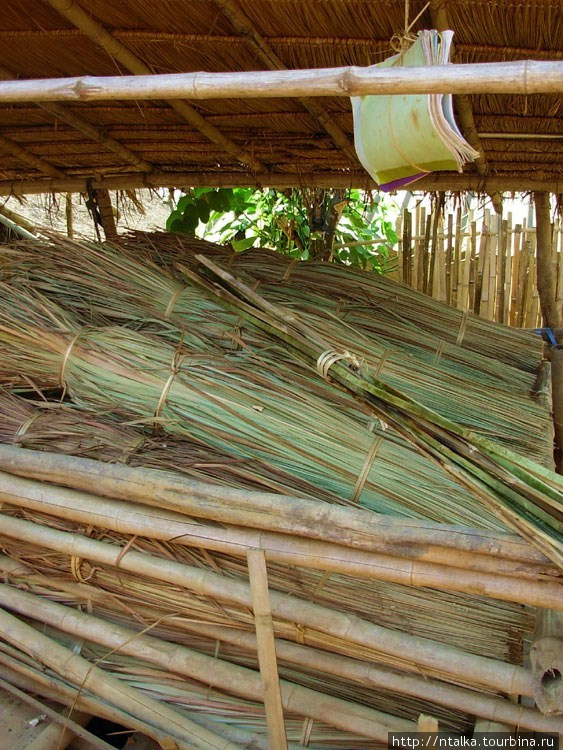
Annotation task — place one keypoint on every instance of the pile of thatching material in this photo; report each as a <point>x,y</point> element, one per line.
<point>374,443</point>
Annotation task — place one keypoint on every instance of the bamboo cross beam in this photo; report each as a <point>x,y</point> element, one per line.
<point>326,179</point>
<point>522,77</point>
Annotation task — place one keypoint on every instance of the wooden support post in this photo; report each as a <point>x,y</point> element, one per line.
<point>546,658</point>
<point>557,404</point>
<point>68,212</point>
<point>266,648</point>
<point>106,214</point>
<point>546,275</point>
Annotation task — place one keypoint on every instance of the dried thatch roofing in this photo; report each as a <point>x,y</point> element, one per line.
<point>305,140</point>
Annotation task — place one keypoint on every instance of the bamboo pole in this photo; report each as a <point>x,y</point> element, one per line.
<point>368,674</point>
<point>86,128</point>
<point>266,648</point>
<point>282,180</point>
<point>521,583</point>
<point>106,214</point>
<point>416,652</point>
<point>522,77</point>
<point>364,673</point>
<point>482,263</point>
<point>264,52</point>
<point>231,678</point>
<point>515,318</point>
<point>82,673</point>
<point>26,156</point>
<point>345,526</point>
<point>69,216</point>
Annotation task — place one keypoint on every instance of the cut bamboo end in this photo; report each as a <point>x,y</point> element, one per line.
<point>546,657</point>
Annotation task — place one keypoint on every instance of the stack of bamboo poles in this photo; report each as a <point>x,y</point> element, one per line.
<point>486,264</point>
<point>393,591</point>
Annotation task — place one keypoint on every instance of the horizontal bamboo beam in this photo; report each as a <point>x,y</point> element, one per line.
<point>281,513</point>
<point>416,653</point>
<point>523,584</point>
<point>346,180</point>
<point>522,77</point>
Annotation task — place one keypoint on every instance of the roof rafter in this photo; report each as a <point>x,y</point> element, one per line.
<point>74,13</point>
<point>86,128</point>
<point>32,159</point>
<point>266,54</point>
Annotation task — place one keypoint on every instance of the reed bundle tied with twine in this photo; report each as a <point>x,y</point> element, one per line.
<point>359,433</point>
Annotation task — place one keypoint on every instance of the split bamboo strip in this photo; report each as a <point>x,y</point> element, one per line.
<point>523,584</point>
<point>184,661</point>
<point>419,652</point>
<point>80,672</point>
<point>344,526</point>
<point>258,577</point>
<point>525,77</point>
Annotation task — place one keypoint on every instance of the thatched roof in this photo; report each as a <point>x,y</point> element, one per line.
<point>294,141</point>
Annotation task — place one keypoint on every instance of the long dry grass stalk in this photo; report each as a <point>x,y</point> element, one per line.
<point>64,429</point>
<point>420,652</point>
<point>522,493</point>
<point>82,673</point>
<point>183,661</point>
<point>523,585</point>
<point>291,515</point>
<point>295,424</point>
<point>454,386</point>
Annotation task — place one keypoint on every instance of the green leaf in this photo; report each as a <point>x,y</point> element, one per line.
<point>184,201</point>
<point>203,210</point>
<point>240,246</point>
<point>191,215</point>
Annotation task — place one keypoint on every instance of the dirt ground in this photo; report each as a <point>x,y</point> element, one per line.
<point>149,211</point>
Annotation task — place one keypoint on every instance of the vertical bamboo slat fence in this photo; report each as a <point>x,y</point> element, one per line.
<point>485,264</point>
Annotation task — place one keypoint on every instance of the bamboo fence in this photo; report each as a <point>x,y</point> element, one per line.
<point>481,262</point>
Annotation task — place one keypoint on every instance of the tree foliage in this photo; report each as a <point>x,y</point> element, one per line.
<point>348,227</point>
